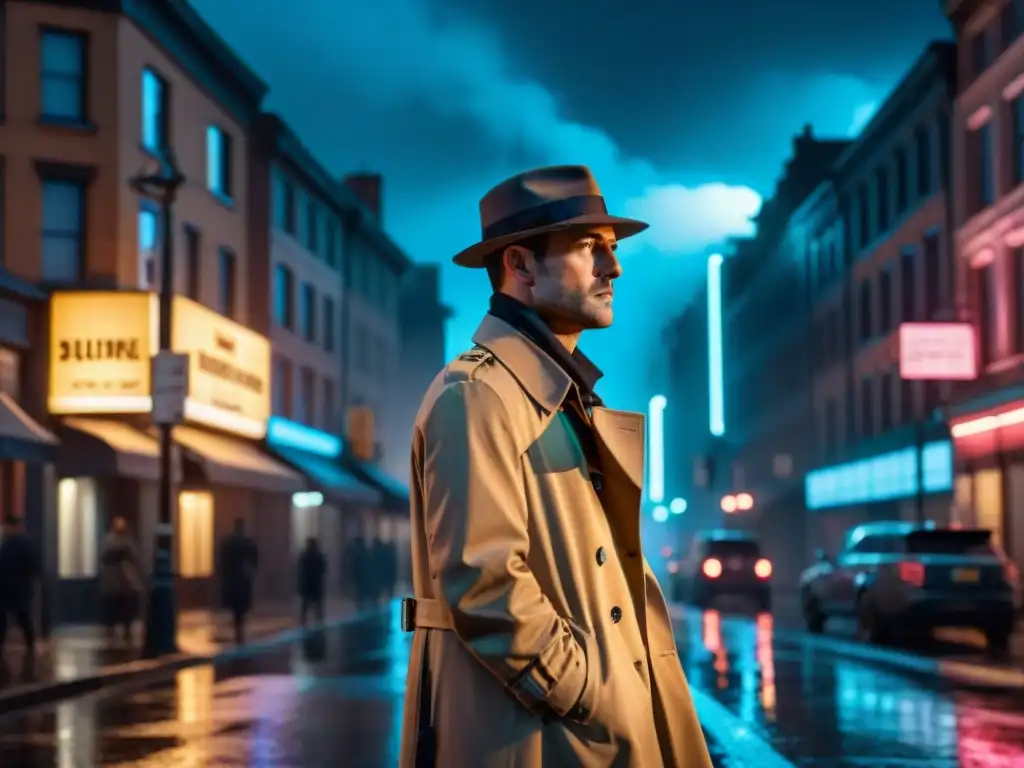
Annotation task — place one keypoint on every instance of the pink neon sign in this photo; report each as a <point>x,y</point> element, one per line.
<point>938,351</point>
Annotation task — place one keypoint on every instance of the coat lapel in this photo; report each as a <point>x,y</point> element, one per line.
<point>622,434</point>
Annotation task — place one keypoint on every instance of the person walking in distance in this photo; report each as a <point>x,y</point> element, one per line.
<point>237,562</point>
<point>19,570</point>
<point>535,613</point>
<point>312,568</point>
<point>120,581</point>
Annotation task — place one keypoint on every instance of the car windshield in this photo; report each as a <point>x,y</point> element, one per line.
<point>733,548</point>
<point>949,542</point>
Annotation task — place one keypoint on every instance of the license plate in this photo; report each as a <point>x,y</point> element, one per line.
<point>966,575</point>
<point>735,564</point>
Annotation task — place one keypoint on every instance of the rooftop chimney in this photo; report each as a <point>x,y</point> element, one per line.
<point>367,187</point>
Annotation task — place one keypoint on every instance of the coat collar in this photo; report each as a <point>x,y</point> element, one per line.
<point>536,371</point>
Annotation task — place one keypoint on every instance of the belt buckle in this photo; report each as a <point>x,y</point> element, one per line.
<point>408,614</point>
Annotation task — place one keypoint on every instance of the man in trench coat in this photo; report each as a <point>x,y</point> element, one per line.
<point>541,636</point>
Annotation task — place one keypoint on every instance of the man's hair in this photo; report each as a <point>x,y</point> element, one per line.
<point>537,245</point>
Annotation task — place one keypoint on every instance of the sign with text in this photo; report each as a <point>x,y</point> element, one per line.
<point>101,345</point>
<point>938,352</point>
<point>170,387</point>
<point>229,370</point>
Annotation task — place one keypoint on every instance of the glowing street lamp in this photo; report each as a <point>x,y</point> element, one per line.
<point>677,506</point>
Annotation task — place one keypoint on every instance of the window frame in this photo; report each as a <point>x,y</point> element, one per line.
<point>162,126</point>
<point>227,282</point>
<point>82,177</point>
<point>220,170</point>
<point>83,38</point>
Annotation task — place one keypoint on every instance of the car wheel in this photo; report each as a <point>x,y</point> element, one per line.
<point>813,617</point>
<point>869,627</point>
<point>998,640</point>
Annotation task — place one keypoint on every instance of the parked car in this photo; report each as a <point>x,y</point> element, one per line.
<point>898,579</point>
<point>724,563</point>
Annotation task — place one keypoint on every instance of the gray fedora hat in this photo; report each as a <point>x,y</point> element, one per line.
<point>540,201</point>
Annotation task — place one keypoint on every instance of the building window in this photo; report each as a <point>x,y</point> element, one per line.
<point>329,324</point>
<point>908,287</point>
<point>831,427</point>
<point>193,262</point>
<point>907,414</point>
<point>981,51</point>
<point>902,181</point>
<point>987,311</point>
<point>284,297</point>
<point>882,200</point>
<point>63,235</point>
<point>149,254</point>
<point>1018,139</point>
<point>885,402</point>
<point>930,258</point>
<point>863,216</point>
<point>289,203</point>
<point>195,534</point>
<point>984,162</point>
<point>923,160</point>
<point>330,407</point>
<point>306,405</point>
<point>156,112</point>
<point>63,76</point>
<point>312,226</point>
<point>331,246</point>
<point>885,300</point>
<point>865,312</point>
<point>227,265</point>
<point>867,407</point>
<point>77,528</point>
<point>307,312</point>
<point>219,166</point>
<point>281,387</point>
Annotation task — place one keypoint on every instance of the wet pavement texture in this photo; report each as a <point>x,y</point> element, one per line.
<point>765,698</point>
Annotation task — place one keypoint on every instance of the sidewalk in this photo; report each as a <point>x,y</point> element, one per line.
<point>79,659</point>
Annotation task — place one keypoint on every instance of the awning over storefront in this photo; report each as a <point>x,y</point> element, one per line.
<point>20,436</point>
<point>328,477</point>
<point>231,461</point>
<point>395,494</point>
<point>105,448</point>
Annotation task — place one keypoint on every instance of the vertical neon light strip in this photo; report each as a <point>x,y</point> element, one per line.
<point>716,385</point>
<point>656,448</point>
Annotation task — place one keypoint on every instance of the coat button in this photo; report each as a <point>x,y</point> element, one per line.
<point>597,480</point>
<point>602,556</point>
<point>616,614</point>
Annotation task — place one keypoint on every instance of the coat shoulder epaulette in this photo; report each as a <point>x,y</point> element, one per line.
<point>468,365</point>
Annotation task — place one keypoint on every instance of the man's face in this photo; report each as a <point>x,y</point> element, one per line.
<point>572,281</point>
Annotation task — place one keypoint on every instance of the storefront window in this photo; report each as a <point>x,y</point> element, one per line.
<point>988,500</point>
<point>77,524</point>
<point>195,534</point>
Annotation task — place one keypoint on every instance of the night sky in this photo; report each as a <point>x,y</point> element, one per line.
<point>685,111</point>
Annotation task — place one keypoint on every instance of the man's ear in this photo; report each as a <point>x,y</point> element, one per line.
<point>520,263</point>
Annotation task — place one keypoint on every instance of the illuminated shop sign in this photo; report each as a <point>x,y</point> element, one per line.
<point>938,351</point>
<point>289,434</point>
<point>100,349</point>
<point>881,478</point>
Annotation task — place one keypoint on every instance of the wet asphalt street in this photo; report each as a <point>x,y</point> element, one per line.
<point>767,697</point>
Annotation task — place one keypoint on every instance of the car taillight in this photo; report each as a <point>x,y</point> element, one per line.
<point>763,568</point>
<point>912,573</point>
<point>712,568</point>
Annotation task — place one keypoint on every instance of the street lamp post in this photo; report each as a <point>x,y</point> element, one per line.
<point>161,186</point>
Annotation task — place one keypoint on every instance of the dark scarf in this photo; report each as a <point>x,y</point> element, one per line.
<point>577,365</point>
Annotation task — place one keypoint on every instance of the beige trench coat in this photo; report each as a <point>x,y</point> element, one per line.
<point>540,595</point>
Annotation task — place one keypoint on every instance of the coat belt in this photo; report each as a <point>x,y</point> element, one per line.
<point>425,613</point>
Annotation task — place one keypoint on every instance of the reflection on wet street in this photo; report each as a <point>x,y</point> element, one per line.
<point>335,700</point>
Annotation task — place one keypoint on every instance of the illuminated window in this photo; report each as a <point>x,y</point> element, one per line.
<point>77,528</point>
<point>219,165</point>
<point>149,224</point>
<point>155,112</point>
<point>195,534</point>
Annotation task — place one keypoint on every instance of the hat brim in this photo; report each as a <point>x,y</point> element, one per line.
<point>475,257</point>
